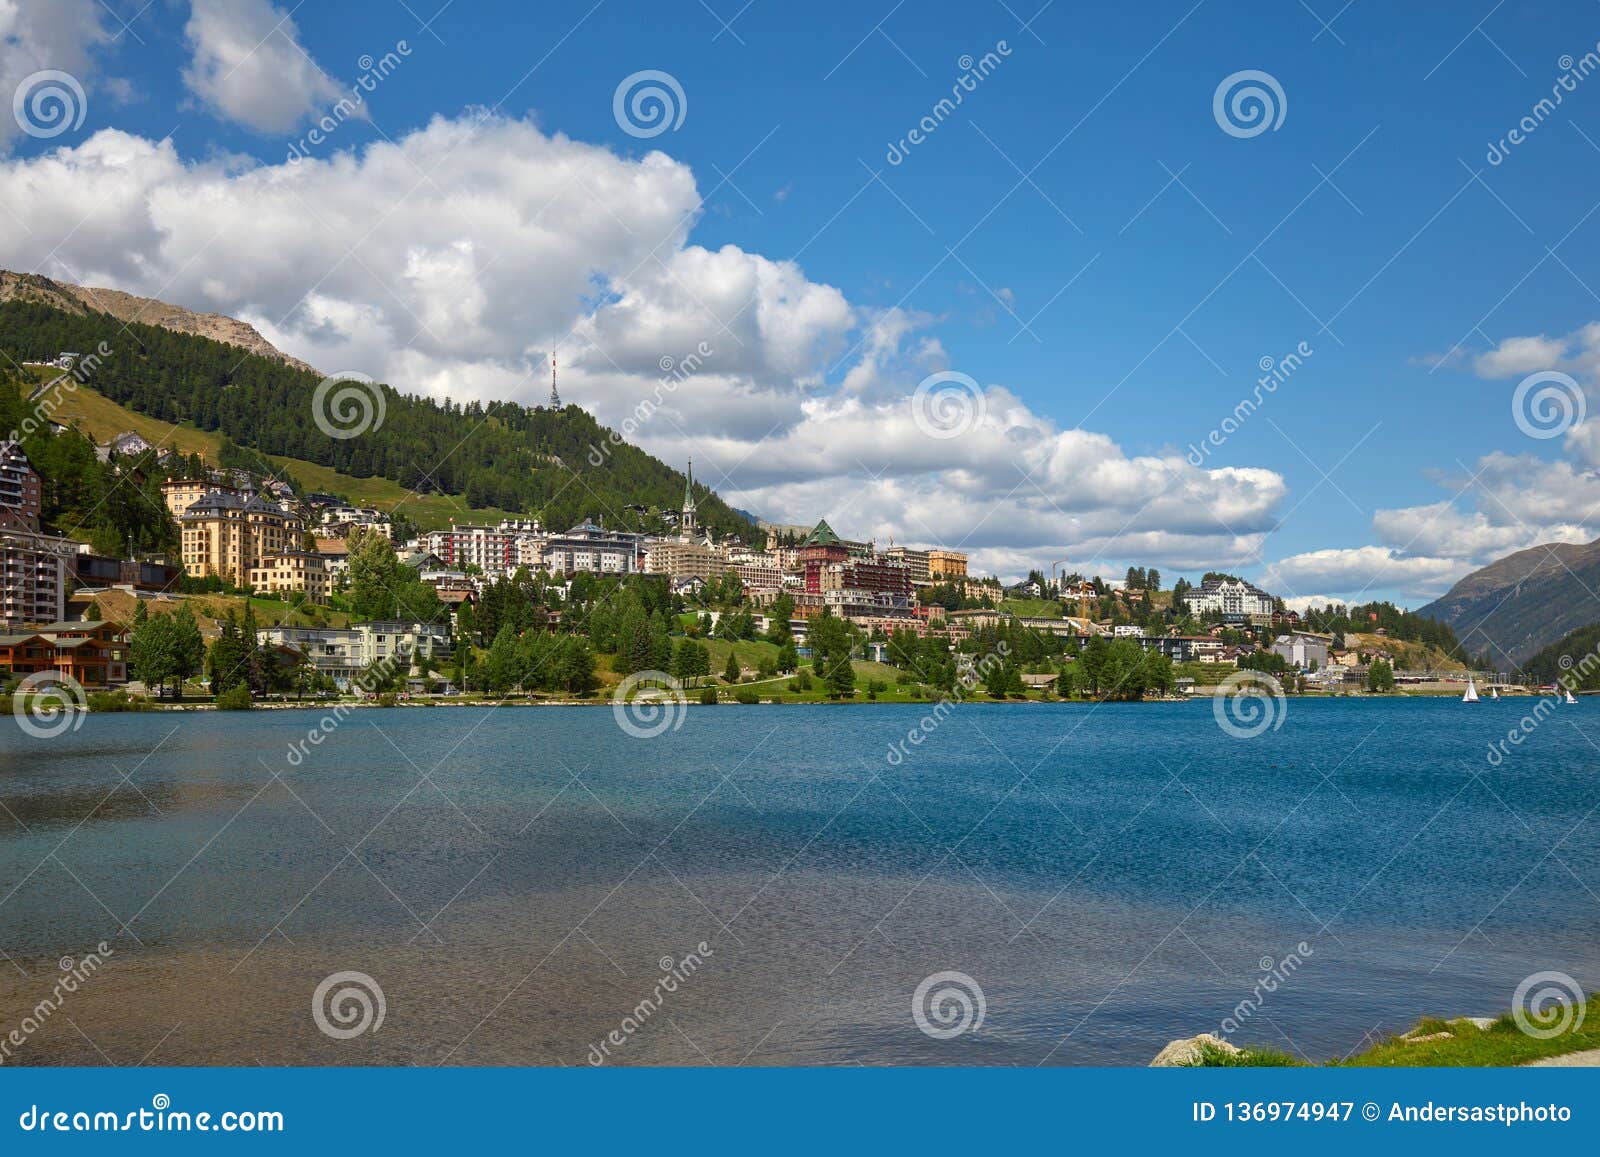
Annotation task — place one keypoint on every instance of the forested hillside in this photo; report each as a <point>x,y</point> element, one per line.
<point>497,455</point>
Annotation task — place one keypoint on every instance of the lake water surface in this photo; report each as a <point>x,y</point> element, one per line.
<point>516,880</point>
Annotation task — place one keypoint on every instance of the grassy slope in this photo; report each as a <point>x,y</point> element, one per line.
<point>1407,656</point>
<point>210,610</point>
<point>102,419</point>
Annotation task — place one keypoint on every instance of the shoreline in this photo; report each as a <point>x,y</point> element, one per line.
<point>153,705</point>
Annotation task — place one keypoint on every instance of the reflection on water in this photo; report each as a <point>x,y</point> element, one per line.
<point>512,880</point>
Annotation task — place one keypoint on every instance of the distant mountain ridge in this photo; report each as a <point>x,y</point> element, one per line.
<point>80,299</point>
<point>1520,604</point>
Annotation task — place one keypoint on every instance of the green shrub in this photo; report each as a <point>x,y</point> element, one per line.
<point>235,699</point>
<point>747,695</point>
<point>117,701</point>
<point>708,696</point>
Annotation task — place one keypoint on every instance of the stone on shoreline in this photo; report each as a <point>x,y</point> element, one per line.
<point>1185,1052</point>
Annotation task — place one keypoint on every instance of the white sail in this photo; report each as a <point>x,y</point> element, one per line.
<point>1569,698</point>
<point>1472,692</point>
<point>1494,692</point>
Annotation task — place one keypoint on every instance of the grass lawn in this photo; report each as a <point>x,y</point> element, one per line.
<point>1465,1045</point>
<point>1032,608</point>
<point>1502,1043</point>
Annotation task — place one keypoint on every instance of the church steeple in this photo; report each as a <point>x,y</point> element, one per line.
<point>687,524</point>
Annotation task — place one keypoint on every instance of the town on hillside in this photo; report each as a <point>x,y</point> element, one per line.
<point>275,592</point>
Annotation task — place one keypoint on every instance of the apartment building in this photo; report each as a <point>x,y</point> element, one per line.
<point>589,546</point>
<point>20,492</point>
<point>33,577</point>
<point>491,549</point>
<point>684,560</point>
<point>228,534</point>
<point>341,520</point>
<point>945,565</point>
<point>182,493</point>
<point>293,572</point>
<point>916,562</point>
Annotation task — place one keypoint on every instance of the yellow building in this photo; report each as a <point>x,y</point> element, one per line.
<point>293,572</point>
<point>944,565</point>
<point>182,493</point>
<point>228,535</point>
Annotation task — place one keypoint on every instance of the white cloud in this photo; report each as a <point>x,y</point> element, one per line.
<point>1360,573</point>
<point>36,35</point>
<point>1521,355</point>
<point>248,65</point>
<point>1508,502</point>
<point>520,243</point>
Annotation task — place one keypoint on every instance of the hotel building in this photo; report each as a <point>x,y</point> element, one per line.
<point>228,535</point>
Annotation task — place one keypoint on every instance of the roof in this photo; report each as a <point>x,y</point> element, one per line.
<point>231,500</point>
<point>822,535</point>
<point>65,625</point>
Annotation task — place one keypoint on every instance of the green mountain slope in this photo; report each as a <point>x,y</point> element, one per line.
<point>488,457</point>
<point>1512,608</point>
<point>1570,657</point>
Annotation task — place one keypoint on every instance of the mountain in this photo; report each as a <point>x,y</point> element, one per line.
<point>1513,608</point>
<point>80,300</point>
<point>1567,661</point>
<point>476,461</point>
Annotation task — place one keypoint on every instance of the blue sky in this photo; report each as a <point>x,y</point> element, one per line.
<point>1080,237</point>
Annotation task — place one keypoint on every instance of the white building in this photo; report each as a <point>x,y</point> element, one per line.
<point>1303,649</point>
<point>1233,599</point>
<point>343,653</point>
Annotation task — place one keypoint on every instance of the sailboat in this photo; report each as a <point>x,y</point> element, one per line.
<point>1472,692</point>
<point>1569,698</point>
<point>1494,692</point>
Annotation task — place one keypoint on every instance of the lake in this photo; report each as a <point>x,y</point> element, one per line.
<point>768,885</point>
